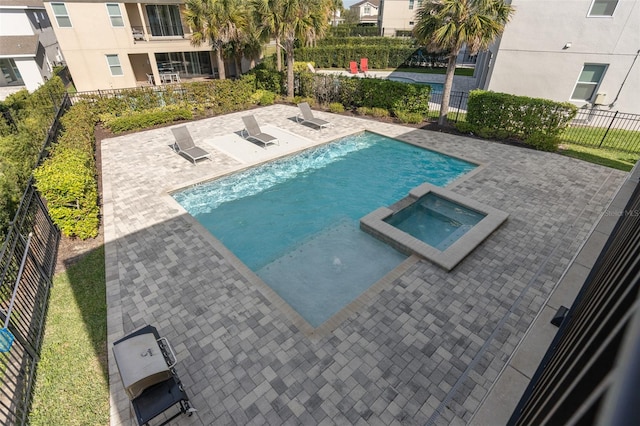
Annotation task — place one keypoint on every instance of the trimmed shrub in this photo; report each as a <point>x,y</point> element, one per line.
<point>299,99</point>
<point>268,78</point>
<point>67,178</point>
<point>148,118</point>
<point>534,120</point>
<point>267,98</point>
<point>336,107</point>
<point>68,183</point>
<point>409,117</point>
<point>379,112</point>
<point>363,111</point>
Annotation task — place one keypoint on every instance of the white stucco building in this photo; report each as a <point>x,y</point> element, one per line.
<point>28,47</point>
<point>581,51</point>
<point>367,11</point>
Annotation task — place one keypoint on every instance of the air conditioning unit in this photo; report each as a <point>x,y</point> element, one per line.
<point>601,99</point>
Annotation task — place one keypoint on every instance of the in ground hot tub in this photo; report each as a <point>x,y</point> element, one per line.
<point>434,223</point>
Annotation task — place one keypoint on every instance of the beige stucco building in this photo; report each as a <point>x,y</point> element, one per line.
<point>581,51</point>
<point>397,17</point>
<point>112,45</point>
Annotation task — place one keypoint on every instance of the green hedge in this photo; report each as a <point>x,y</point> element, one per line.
<point>135,120</point>
<point>340,56</point>
<point>536,121</point>
<point>365,41</point>
<point>67,178</point>
<point>354,31</point>
<point>24,126</point>
<point>366,92</point>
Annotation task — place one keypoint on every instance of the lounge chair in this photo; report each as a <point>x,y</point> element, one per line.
<point>353,67</point>
<point>364,65</point>
<point>184,145</point>
<point>253,132</point>
<point>307,117</point>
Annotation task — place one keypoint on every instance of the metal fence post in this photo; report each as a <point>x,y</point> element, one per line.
<point>608,128</point>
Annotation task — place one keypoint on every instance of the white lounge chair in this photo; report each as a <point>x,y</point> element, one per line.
<point>307,117</point>
<point>185,146</point>
<point>252,131</point>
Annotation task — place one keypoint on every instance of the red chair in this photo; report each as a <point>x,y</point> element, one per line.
<point>353,67</point>
<point>364,65</point>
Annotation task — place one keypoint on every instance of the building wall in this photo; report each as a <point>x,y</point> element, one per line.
<point>14,22</point>
<point>30,73</point>
<point>91,37</point>
<point>372,9</point>
<point>395,15</point>
<point>533,58</point>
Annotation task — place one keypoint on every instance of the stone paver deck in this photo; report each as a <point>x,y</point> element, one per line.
<point>423,346</point>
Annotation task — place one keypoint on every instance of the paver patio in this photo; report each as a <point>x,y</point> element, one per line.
<point>422,347</point>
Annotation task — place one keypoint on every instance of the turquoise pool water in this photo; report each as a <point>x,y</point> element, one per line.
<point>436,220</point>
<point>295,221</point>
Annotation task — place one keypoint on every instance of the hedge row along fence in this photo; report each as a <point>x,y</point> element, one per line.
<point>26,125</point>
<point>379,56</point>
<point>67,178</point>
<point>536,121</point>
<point>354,31</point>
<point>339,56</point>
<point>366,41</point>
<point>353,93</point>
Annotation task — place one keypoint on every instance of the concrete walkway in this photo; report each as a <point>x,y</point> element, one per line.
<point>422,346</point>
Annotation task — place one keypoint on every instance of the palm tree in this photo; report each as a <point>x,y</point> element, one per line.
<point>304,20</point>
<point>447,25</point>
<point>215,21</point>
<point>268,15</point>
<point>252,42</point>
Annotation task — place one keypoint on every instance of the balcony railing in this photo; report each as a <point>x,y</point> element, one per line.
<point>157,32</point>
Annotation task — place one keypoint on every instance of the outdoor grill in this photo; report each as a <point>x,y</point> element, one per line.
<point>146,364</point>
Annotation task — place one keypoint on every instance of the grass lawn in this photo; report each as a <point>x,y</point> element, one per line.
<point>606,157</point>
<point>72,386</point>
<point>628,140</point>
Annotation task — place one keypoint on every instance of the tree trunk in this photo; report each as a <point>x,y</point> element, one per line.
<point>446,90</point>
<point>278,54</point>
<point>289,51</point>
<point>238,63</point>
<point>220,61</point>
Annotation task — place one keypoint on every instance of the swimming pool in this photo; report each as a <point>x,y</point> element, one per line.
<point>295,221</point>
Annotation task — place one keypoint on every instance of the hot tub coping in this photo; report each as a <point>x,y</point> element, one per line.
<point>374,224</point>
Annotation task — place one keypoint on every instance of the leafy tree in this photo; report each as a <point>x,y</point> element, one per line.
<point>448,25</point>
<point>351,17</point>
<point>216,21</point>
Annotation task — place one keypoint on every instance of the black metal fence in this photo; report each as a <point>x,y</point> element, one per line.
<point>31,288</point>
<point>605,129</point>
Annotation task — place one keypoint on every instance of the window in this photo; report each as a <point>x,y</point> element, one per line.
<point>164,20</point>
<point>113,9</point>
<point>114,65</point>
<point>9,71</point>
<point>588,82</point>
<point>603,7</point>
<point>410,4</point>
<point>62,17</point>
<point>367,10</point>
